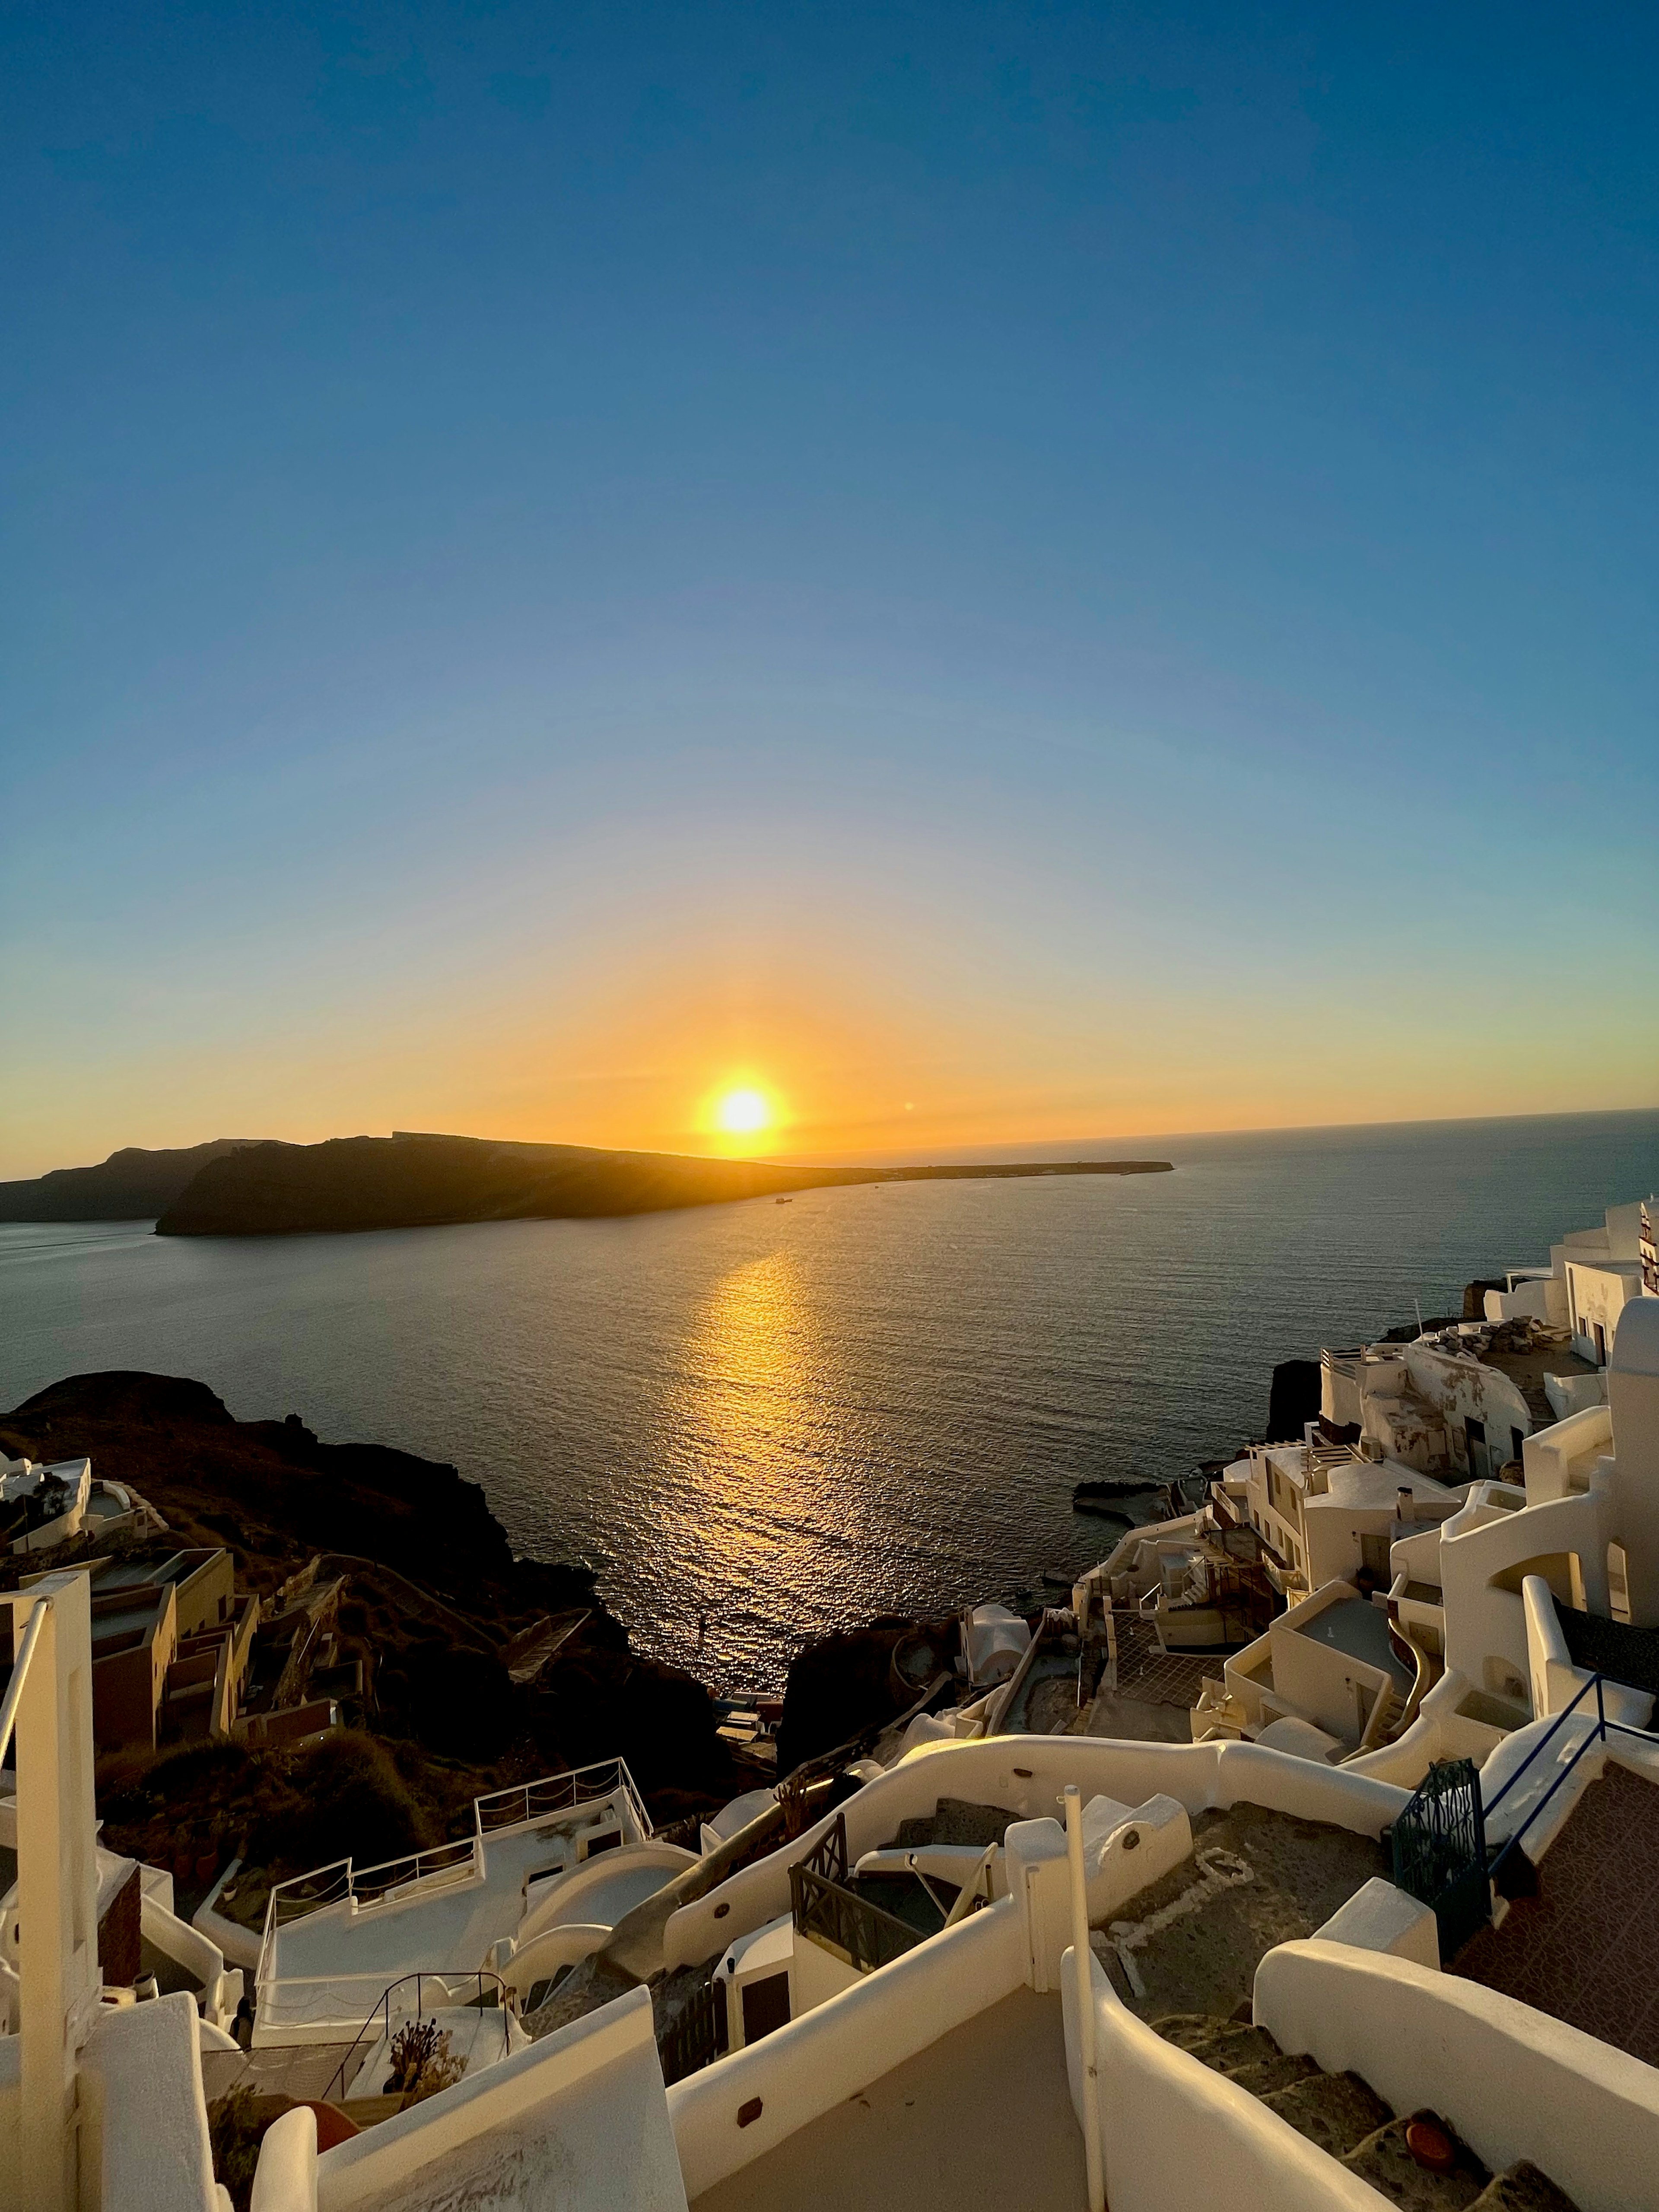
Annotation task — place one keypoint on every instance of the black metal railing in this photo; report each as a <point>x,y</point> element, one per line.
<point>697,2038</point>
<point>1599,1734</point>
<point>1439,1852</point>
<point>1436,1837</point>
<point>489,1994</point>
<point>828,1912</point>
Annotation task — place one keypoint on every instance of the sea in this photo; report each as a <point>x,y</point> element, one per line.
<point>761,1422</point>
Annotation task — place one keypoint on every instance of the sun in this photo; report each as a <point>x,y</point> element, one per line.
<point>741,1113</point>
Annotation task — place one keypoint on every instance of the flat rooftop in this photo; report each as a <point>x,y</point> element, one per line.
<point>1360,1630</point>
<point>981,2117</point>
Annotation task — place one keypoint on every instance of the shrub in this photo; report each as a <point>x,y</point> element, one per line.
<point>236,2133</point>
<point>345,1797</point>
<point>422,2062</point>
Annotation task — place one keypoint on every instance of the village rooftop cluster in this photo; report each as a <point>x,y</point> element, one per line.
<point>1305,1859</point>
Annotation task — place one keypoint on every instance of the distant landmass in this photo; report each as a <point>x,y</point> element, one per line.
<point>408,1180</point>
<point>128,1186</point>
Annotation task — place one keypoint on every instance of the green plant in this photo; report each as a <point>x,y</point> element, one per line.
<point>236,2133</point>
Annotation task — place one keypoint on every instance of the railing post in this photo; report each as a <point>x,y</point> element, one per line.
<point>1083,1971</point>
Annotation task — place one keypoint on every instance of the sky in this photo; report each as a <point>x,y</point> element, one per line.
<point>987,574</point>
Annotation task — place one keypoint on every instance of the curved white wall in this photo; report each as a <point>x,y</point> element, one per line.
<point>802,2071</point>
<point>1513,2083</point>
<point>1027,1774</point>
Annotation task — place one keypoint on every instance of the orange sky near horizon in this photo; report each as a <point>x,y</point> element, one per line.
<point>849,1069</point>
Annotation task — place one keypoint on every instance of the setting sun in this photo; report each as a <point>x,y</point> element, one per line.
<point>741,1113</point>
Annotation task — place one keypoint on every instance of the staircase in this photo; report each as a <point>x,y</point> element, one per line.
<point>1414,2160</point>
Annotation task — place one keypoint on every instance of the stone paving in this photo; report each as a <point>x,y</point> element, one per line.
<point>1586,1948</point>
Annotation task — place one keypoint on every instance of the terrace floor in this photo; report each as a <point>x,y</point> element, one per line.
<point>1586,1948</point>
<point>981,2117</point>
<point>1257,1879</point>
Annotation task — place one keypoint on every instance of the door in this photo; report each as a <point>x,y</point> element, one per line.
<point>1601,1345</point>
<point>765,2006</point>
<point>1474,1441</point>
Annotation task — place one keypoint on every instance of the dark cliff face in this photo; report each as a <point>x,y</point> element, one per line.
<point>131,1185</point>
<point>271,1490</point>
<point>276,1496</point>
<point>409,1182</point>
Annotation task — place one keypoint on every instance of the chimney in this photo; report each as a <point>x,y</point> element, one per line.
<point>1403,1502</point>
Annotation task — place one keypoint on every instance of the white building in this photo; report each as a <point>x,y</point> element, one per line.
<point>1592,1275</point>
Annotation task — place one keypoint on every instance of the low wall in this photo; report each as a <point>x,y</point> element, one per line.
<point>571,1942</point>
<point>1173,2132</point>
<point>141,2072</point>
<point>1027,1774</point>
<point>578,2118</point>
<point>200,1956</point>
<point>1514,2082</point>
<point>570,1899</point>
<point>802,2071</point>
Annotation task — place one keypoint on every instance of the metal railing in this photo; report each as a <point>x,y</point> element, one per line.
<point>863,1934</point>
<point>371,1885</point>
<point>697,2038</point>
<point>378,2026</point>
<point>526,1802</point>
<point>449,1864</point>
<point>1603,1728</point>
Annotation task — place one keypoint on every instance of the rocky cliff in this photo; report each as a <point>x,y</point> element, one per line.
<point>131,1185</point>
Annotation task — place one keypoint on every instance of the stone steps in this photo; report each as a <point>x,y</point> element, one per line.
<point>1347,2120</point>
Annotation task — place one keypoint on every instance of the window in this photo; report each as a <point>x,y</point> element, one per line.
<point>1618,1583</point>
<point>1474,1444</point>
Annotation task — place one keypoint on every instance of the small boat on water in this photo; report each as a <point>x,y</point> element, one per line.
<point>785,1201</point>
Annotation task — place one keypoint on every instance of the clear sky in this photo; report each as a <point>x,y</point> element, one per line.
<point>986,572</point>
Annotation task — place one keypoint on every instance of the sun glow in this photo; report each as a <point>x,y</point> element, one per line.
<point>743,1112</point>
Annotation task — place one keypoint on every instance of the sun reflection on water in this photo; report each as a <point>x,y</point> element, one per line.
<point>760,1432</point>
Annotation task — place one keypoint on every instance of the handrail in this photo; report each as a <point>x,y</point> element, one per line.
<point>382,2012</point>
<point>1546,1740</point>
<point>1599,1734</point>
<point>459,1858</point>
<point>20,1667</point>
<point>560,1793</point>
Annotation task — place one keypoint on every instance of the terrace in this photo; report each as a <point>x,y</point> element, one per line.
<point>335,1938</point>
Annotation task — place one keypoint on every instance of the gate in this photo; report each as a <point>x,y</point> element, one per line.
<point>850,1925</point>
<point>697,2037</point>
<point>1440,1852</point>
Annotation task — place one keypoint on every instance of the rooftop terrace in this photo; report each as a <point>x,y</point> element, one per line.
<point>981,2117</point>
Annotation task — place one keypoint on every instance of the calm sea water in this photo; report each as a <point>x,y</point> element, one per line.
<point>792,1417</point>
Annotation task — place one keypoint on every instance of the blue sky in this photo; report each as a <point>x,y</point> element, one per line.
<point>995,571</point>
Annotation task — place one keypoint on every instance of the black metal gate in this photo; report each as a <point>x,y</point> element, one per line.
<point>697,2037</point>
<point>1440,1852</point>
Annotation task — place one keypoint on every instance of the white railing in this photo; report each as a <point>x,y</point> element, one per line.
<point>527,1802</point>
<point>444,1866</point>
